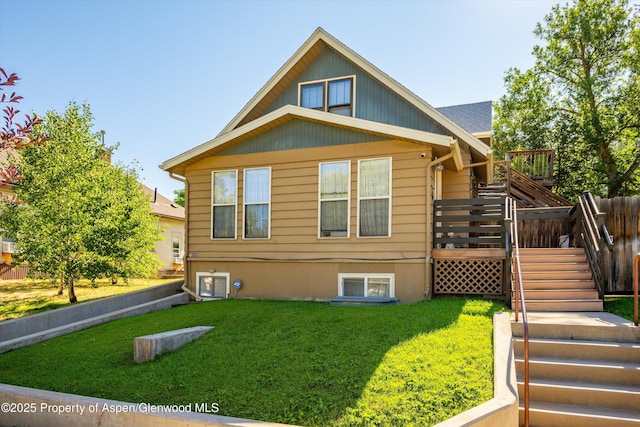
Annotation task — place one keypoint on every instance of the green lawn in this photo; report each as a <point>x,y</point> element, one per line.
<point>621,306</point>
<point>22,297</point>
<point>304,363</point>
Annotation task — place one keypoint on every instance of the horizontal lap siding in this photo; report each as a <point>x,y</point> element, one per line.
<point>457,185</point>
<point>294,205</point>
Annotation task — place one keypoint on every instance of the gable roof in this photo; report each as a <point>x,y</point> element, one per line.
<point>161,206</point>
<point>474,118</point>
<point>254,118</point>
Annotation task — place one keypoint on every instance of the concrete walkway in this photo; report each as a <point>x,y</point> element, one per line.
<point>586,325</point>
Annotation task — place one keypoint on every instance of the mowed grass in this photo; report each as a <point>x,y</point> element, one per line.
<point>304,363</point>
<point>22,297</point>
<point>621,306</point>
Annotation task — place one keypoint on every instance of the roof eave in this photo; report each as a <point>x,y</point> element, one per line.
<point>179,163</point>
<point>321,35</point>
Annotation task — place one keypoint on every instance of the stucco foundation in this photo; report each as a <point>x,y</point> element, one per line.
<point>308,280</point>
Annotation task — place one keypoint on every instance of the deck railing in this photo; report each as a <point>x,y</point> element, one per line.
<point>535,164</point>
<point>469,223</point>
<point>469,247</point>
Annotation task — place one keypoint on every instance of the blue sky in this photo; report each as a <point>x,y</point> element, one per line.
<point>163,76</point>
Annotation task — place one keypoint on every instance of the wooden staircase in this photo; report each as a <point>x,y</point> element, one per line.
<point>583,370</point>
<point>558,279</point>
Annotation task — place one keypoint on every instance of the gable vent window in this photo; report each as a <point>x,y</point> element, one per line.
<point>334,96</point>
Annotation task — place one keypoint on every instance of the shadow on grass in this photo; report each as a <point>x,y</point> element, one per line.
<point>295,362</point>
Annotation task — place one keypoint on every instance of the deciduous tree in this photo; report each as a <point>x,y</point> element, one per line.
<point>581,97</point>
<point>80,215</point>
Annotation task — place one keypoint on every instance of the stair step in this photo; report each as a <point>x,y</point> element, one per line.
<point>557,258</point>
<point>555,415</point>
<point>565,305</point>
<point>574,393</point>
<point>563,294</point>
<point>556,275</point>
<point>540,284</point>
<point>578,326</point>
<point>599,372</point>
<point>547,266</point>
<point>579,349</point>
<point>551,251</point>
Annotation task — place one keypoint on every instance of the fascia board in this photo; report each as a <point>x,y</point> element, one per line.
<point>412,98</point>
<point>279,75</point>
<point>292,111</point>
<point>337,45</point>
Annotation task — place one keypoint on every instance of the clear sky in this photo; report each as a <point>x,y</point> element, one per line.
<point>162,76</point>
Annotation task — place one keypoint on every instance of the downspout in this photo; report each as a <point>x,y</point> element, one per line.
<point>429,213</point>
<point>187,268</point>
<point>488,164</point>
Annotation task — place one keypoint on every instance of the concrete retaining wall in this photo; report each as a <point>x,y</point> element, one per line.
<point>29,407</point>
<point>38,327</point>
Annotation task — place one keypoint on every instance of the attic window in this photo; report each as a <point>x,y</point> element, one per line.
<point>334,96</point>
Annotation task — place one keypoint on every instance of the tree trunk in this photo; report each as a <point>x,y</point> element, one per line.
<point>72,292</point>
<point>61,290</point>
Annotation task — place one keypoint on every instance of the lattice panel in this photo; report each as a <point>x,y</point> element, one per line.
<point>468,276</point>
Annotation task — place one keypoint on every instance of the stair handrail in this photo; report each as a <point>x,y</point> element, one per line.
<point>594,235</point>
<point>511,218</point>
<point>636,264</point>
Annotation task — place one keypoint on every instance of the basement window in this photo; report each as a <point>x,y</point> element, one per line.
<point>212,285</point>
<point>366,285</point>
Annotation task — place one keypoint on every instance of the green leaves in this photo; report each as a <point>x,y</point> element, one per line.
<point>81,216</point>
<point>582,98</point>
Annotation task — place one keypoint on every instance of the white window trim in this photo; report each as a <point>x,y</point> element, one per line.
<point>235,228</point>
<point>373,198</point>
<point>244,204</point>
<point>367,276</point>
<point>177,259</point>
<point>348,199</point>
<point>326,91</point>
<point>200,274</point>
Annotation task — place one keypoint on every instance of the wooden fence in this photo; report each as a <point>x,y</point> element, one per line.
<point>623,222</point>
<point>16,273</point>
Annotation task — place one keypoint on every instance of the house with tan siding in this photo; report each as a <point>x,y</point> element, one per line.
<point>323,185</point>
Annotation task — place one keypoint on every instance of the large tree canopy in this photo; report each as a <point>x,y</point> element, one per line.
<point>80,215</point>
<point>581,97</point>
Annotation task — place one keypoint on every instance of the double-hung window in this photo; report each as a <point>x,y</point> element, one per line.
<point>374,197</point>
<point>224,204</point>
<point>334,96</point>
<point>334,199</point>
<point>257,202</point>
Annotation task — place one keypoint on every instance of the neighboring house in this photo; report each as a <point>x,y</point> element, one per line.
<point>323,184</point>
<point>8,246</point>
<point>170,217</point>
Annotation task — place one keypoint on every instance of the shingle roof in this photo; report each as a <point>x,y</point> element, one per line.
<point>473,118</point>
<point>163,207</point>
